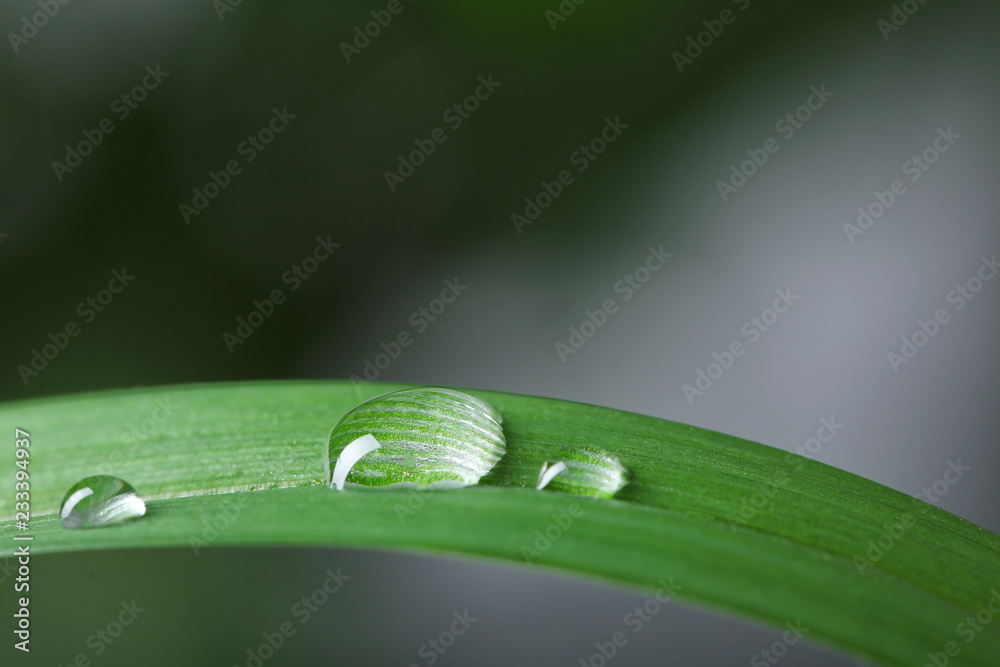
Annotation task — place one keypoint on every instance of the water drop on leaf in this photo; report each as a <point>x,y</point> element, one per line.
<point>428,437</point>
<point>584,471</point>
<point>101,500</point>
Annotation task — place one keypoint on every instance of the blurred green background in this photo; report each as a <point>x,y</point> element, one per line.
<point>325,174</point>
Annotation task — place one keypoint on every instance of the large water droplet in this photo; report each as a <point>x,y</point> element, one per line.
<point>429,437</point>
<point>98,501</point>
<point>584,471</point>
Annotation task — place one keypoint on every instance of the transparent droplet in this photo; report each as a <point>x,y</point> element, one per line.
<point>98,501</point>
<point>428,437</point>
<point>584,471</point>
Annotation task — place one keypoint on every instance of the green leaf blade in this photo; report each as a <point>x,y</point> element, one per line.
<point>258,447</point>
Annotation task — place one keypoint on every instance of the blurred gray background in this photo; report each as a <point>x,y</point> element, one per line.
<point>656,185</point>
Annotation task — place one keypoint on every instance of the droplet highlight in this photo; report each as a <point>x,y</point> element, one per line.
<point>430,437</point>
<point>101,500</point>
<point>583,471</point>
<point>548,472</point>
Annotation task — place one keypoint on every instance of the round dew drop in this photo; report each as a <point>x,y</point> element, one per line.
<point>428,437</point>
<point>101,500</point>
<point>583,471</point>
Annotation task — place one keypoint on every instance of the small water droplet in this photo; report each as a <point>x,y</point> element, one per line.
<point>584,471</point>
<point>98,501</point>
<point>428,437</point>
